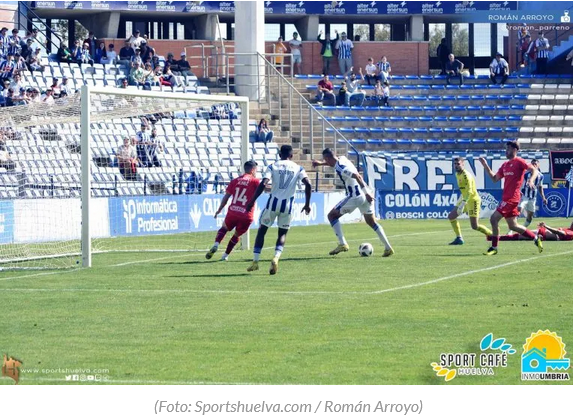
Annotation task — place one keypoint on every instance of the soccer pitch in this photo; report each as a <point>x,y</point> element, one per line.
<point>175,318</point>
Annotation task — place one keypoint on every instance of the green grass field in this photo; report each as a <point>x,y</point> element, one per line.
<point>167,318</point>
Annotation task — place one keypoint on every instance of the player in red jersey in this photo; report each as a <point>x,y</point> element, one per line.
<point>546,232</point>
<point>559,234</point>
<point>241,190</point>
<point>512,171</point>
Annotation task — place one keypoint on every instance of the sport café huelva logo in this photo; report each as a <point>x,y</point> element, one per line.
<point>11,368</point>
<point>543,358</point>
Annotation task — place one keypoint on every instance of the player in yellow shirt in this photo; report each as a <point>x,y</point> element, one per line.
<point>469,203</point>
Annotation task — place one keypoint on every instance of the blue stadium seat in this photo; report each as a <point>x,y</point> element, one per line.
<point>409,87</point>
<point>346,129</point>
<point>448,141</point>
<point>381,119</point>
<point>400,108</point>
<point>477,97</point>
<point>439,77</point>
<point>433,141</point>
<point>451,87</point>
<point>435,130</point>
<point>478,141</point>
<point>450,130</point>
<point>315,76</point>
<point>398,77</point>
<point>512,129</point>
<point>473,108</point>
<point>377,142</point>
<point>456,119</point>
<point>465,130</point>
<point>312,87</point>
<point>518,107</point>
<point>420,130</point>
<point>438,87</point>
<point>409,77</point>
<point>359,108</point>
<point>361,130</point>
<point>389,141</point>
<point>494,87</point>
<point>410,119</point>
<point>440,118</point>
<point>423,87</point>
<point>403,141</point>
<point>376,130</point>
<point>484,118</point>
<point>448,98</point>
<point>419,98</point>
<point>494,141</point>
<point>481,130</point>
<point>390,130</point>
<point>395,118</point>
<point>466,87</point>
<point>495,129</point>
<point>351,118</point>
<point>429,108</point>
<point>488,108</point>
<point>416,108</point>
<point>366,118</point>
<point>481,76</point>
<point>523,86</point>
<point>418,141</point>
<point>526,76</point>
<point>518,97</point>
<point>405,130</point>
<point>480,87</point>
<point>463,141</point>
<point>357,141</point>
<point>540,76</point>
<point>445,108</point>
<point>499,107</point>
<point>301,76</point>
<point>459,108</point>
<point>425,119</point>
<point>470,118</point>
<point>463,97</point>
<point>426,77</point>
<point>514,118</point>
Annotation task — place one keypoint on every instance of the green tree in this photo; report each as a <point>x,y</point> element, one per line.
<point>382,32</point>
<point>60,27</point>
<point>460,40</point>
<point>437,32</point>
<point>363,31</point>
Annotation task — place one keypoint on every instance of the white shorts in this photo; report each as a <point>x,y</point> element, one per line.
<point>528,204</point>
<point>350,203</point>
<point>268,218</point>
<point>296,58</point>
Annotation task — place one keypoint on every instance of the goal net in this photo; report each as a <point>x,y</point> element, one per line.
<point>117,170</point>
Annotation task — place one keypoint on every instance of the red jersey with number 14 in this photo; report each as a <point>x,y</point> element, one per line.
<point>512,171</point>
<point>242,189</point>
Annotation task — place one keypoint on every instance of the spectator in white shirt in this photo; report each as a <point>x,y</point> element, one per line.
<point>295,45</point>
<point>65,88</point>
<point>48,98</point>
<point>384,69</point>
<point>354,90</point>
<point>498,68</point>
<point>370,70</point>
<point>16,82</point>
<point>135,40</point>
<point>111,55</point>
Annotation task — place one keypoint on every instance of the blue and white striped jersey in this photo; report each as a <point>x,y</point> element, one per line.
<point>345,49</point>
<point>284,176</point>
<point>528,192</point>
<point>345,169</point>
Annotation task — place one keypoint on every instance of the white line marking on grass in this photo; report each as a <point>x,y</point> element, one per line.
<point>469,272</point>
<point>39,274</point>
<point>278,292</point>
<point>153,259</point>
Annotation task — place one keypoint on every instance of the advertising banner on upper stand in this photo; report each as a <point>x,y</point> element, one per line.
<point>172,214</point>
<point>6,222</point>
<point>423,184</point>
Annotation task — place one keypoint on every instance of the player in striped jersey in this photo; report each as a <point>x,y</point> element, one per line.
<point>284,176</point>
<point>469,203</point>
<point>529,195</point>
<point>357,196</point>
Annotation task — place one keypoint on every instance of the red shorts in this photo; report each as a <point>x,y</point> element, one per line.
<point>508,209</point>
<point>241,223</point>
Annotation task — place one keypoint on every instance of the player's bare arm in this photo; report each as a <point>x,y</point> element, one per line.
<point>316,163</point>
<point>542,193</point>
<point>360,180</point>
<point>307,193</point>
<point>258,192</point>
<point>222,204</point>
<point>488,170</point>
<point>531,181</point>
<point>553,230</point>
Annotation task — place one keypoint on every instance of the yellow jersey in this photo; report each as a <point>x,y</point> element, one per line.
<point>467,185</point>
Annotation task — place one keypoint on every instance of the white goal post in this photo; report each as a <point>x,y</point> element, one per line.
<point>85,119</point>
<point>66,193</point>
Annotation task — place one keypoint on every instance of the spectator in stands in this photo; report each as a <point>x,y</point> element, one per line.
<point>143,140</point>
<point>341,93</point>
<point>111,55</point>
<point>100,53</point>
<point>21,98</point>
<point>526,58</point>
<point>384,69</point>
<point>19,64</point>
<point>29,39</point>
<point>3,50</point>
<point>5,43</point>
<point>344,47</point>
<point>172,64</point>
<point>280,49</point>
<point>136,75</point>
<point>5,86</point>
<point>127,160</point>
<point>16,83</point>
<point>136,59</point>
<point>147,52</point>
<point>264,134</point>
<point>541,47</point>
<point>65,88</point>
<point>125,54</point>
<point>92,43</point>
<point>14,43</point>
<point>27,49</point>
<point>443,53</point>
<point>55,87</point>
<point>382,93</point>
<point>155,62</point>
<point>124,83</point>
<point>192,185</point>
<point>48,97</point>
<point>327,50</point>
<point>9,97</point>
<point>64,54</point>
<point>7,67</point>
<point>498,68</point>
<point>295,49</point>
<point>35,96</point>
<point>168,79</point>
<point>454,68</point>
<point>5,161</point>
<point>157,75</point>
<point>149,75</point>
<point>33,61</point>
<point>77,52</point>
<point>135,40</point>
<point>370,70</point>
<point>354,87</point>
<point>325,90</point>
<point>86,57</point>
<point>184,66</point>
<point>154,148</point>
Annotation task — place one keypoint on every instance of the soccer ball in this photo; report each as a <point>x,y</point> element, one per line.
<point>365,249</point>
